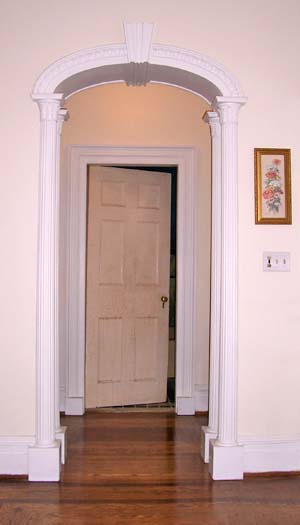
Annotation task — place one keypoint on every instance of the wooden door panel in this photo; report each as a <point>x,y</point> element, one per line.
<point>146,342</point>
<point>109,349</point>
<point>113,193</point>
<point>111,269</point>
<point>128,246</point>
<point>147,252</point>
<point>149,196</point>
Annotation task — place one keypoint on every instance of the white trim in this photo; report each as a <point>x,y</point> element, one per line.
<point>74,406</point>
<point>249,439</point>
<point>172,66</point>
<point>138,36</point>
<point>60,432</point>
<point>210,432</point>
<point>79,159</point>
<point>228,110</point>
<point>62,398</point>
<point>201,398</point>
<point>225,462</point>
<point>225,455</point>
<point>44,463</point>
<point>139,50</point>
<point>44,456</point>
<point>278,454</point>
<point>61,435</point>
<point>272,457</point>
<point>206,436</point>
<point>14,454</point>
<point>275,454</point>
<point>185,406</point>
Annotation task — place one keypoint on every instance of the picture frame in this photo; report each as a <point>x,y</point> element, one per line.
<point>272,168</point>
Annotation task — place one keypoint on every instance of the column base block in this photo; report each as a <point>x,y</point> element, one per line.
<point>74,406</point>
<point>44,463</point>
<point>185,406</point>
<point>61,435</point>
<point>206,436</point>
<point>225,462</point>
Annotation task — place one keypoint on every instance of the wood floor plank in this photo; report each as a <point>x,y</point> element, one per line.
<point>144,469</point>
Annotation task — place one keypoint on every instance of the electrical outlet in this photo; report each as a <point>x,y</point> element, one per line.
<point>276,262</point>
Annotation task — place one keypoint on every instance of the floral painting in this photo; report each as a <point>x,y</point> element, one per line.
<point>272,186</point>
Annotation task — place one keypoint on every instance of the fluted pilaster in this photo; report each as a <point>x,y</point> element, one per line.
<point>213,119</point>
<point>225,455</point>
<point>44,465</point>
<point>210,432</point>
<point>228,110</point>
<point>62,116</point>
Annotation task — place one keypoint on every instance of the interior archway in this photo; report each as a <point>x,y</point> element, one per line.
<point>137,62</point>
<point>157,124</point>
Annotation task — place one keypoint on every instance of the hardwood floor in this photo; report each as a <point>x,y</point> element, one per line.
<point>143,469</point>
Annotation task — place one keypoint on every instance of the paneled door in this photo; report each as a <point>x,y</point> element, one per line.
<point>127,311</point>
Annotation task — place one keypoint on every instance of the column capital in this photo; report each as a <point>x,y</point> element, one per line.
<point>212,118</point>
<point>49,105</point>
<point>228,108</point>
<point>63,115</point>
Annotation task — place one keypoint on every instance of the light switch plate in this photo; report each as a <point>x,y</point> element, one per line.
<point>276,262</point>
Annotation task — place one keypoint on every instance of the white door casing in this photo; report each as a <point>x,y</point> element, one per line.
<point>79,158</point>
<point>137,62</point>
<point>128,272</point>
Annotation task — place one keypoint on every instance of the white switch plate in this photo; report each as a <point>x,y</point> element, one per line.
<point>276,262</point>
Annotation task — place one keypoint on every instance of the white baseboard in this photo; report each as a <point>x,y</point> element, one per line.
<point>275,455</point>
<point>201,398</point>
<point>74,406</point>
<point>14,454</point>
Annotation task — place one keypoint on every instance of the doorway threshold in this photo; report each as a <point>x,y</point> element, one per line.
<point>167,406</point>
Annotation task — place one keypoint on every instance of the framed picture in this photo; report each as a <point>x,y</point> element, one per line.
<point>272,186</point>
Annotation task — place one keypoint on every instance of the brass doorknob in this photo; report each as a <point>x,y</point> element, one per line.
<point>164,300</point>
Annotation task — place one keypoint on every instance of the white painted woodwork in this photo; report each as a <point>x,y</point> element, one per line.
<point>225,448</point>
<point>201,398</point>
<point>128,271</point>
<point>60,432</point>
<point>138,38</point>
<point>14,451</point>
<point>227,427</point>
<point>278,453</point>
<point>210,432</point>
<point>46,448</point>
<point>225,462</point>
<point>186,326</point>
<point>203,76</point>
<point>166,64</point>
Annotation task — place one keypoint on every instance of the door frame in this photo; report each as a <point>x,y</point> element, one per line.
<point>78,159</point>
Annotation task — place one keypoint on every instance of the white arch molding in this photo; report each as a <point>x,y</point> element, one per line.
<point>138,61</point>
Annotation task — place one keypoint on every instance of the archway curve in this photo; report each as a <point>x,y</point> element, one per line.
<point>137,62</point>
